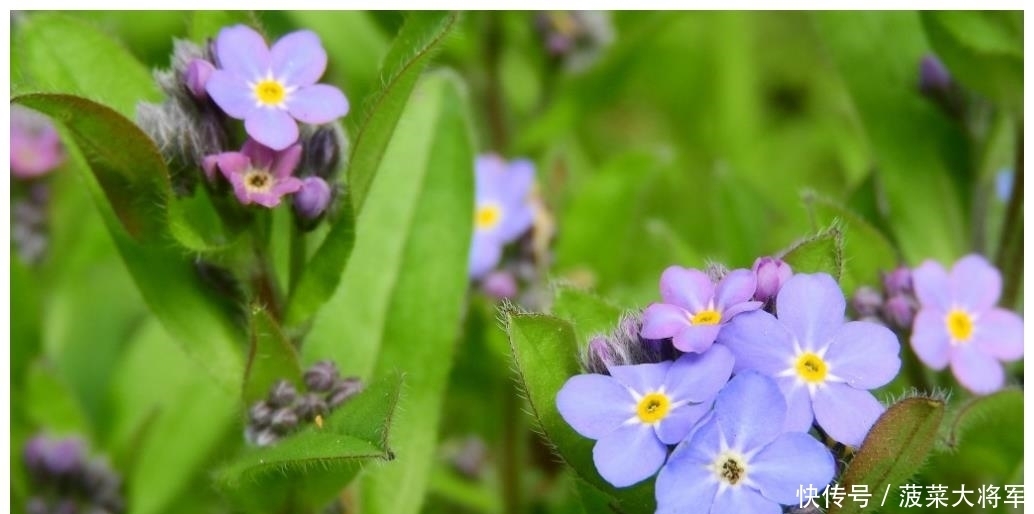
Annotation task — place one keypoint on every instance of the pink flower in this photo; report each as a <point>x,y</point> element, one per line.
<point>258,174</point>
<point>35,146</point>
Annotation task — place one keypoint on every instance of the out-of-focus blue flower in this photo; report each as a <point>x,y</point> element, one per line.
<point>823,365</point>
<point>638,410</point>
<point>35,146</point>
<point>740,460</point>
<point>502,210</point>
<point>270,88</point>
<point>958,322</point>
<point>694,309</point>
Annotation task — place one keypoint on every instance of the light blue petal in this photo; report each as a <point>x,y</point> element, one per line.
<point>759,342</point>
<point>751,411</point>
<point>864,354</point>
<point>742,500</point>
<point>846,413</point>
<point>812,308</point>
<point>699,377</point>
<point>685,484</point>
<point>629,455</point>
<point>641,378</point>
<point>792,461</point>
<point>594,405</point>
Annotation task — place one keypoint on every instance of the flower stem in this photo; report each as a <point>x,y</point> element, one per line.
<point>494,106</point>
<point>263,278</point>
<point>1010,246</point>
<point>297,257</point>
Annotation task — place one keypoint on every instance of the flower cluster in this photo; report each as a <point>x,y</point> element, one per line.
<point>272,89</point>
<point>285,408</point>
<point>731,371</point>
<point>65,479</point>
<point>36,150</point>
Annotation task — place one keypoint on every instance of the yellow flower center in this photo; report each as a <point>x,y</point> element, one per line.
<point>708,317</point>
<point>730,468</point>
<point>488,216</point>
<point>811,367</point>
<point>258,181</point>
<point>653,407</point>
<point>960,325</point>
<point>270,92</point>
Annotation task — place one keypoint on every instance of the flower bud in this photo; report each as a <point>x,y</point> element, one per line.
<point>470,458</point>
<point>284,420</point>
<point>499,284</point>
<point>866,302</point>
<point>311,405</point>
<point>343,390</point>
<point>260,414</point>
<point>321,376</point>
<point>312,199</point>
<point>934,78</point>
<point>898,281</point>
<point>771,274</point>
<point>899,311</point>
<point>599,355</point>
<point>196,76</point>
<point>65,457</point>
<point>282,394</point>
<point>34,454</point>
<point>322,153</point>
<point>260,437</point>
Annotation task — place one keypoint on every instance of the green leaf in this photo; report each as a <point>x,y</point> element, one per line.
<point>418,40</point>
<point>896,447</point>
<point>983,49</point>
<point>971,456</point>
<point>271,358</point>
<point>25,320</point>
<point>544,351</point>
<point>63,54</point>
<point>871,252</point>
<point>587,313</point>
<point>304,470</point>
<point>50,404</point>
<point>130,185</point>
<point>820,253</point>
<point>920,154</point>
<point>323,271</point>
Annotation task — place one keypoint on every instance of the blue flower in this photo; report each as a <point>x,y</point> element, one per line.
<point>740,459</point>
<point>502,211</point>
<point>638,410</point>
<point>823,365</point>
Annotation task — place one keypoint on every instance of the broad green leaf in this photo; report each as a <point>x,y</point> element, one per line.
<point>49,403</point>
<point>63,54</point>
<point>983,49</point>
<point>322,273</point>
<point>433,149</point>
<point>920,154</point>
<point>304,470</point>
<point>973,457</point>
<point>896,447</point>
<point>820,253</point>
<point>587,313</point>
<point>129,184</point>
<point>271,357</point>
<point>869,250</point>
<point>544,351</point>
<point>411,52</point>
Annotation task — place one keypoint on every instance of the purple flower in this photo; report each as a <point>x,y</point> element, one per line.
<point>258,174</point>
<point>740,459</point>
<point>958,323</point>
<point>502,211</point>
<point>270,88</point>
<point>196,77</point>
<point>823,365</point>
<point>35,146</point>
<point>771,273</point>
<point>638,410</point>
<point>694,309</point>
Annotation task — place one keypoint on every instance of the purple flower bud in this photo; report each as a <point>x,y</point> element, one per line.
<point>343,390</point>
<point>900,311</point>
<point>470,459</point>
<point>898,281</point>
<point>312,199</point>
<point>37,505</point>
<point>771,274</point>
<point>311,405</point>
<point>65,507</point>
<point>260,437</point>
<point>35,145</point>
<point>282,394</point>
<point>499,284</point>
<point>321,376</point>
<point>284,420</point>
<point>322,153</point>
<point>598,356</point>
<point>866,302</point>
<point>34,454</point>
<point>65,456</point>
<point>260,413</point>
<point>934,78</point>
<point>196,76</point>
